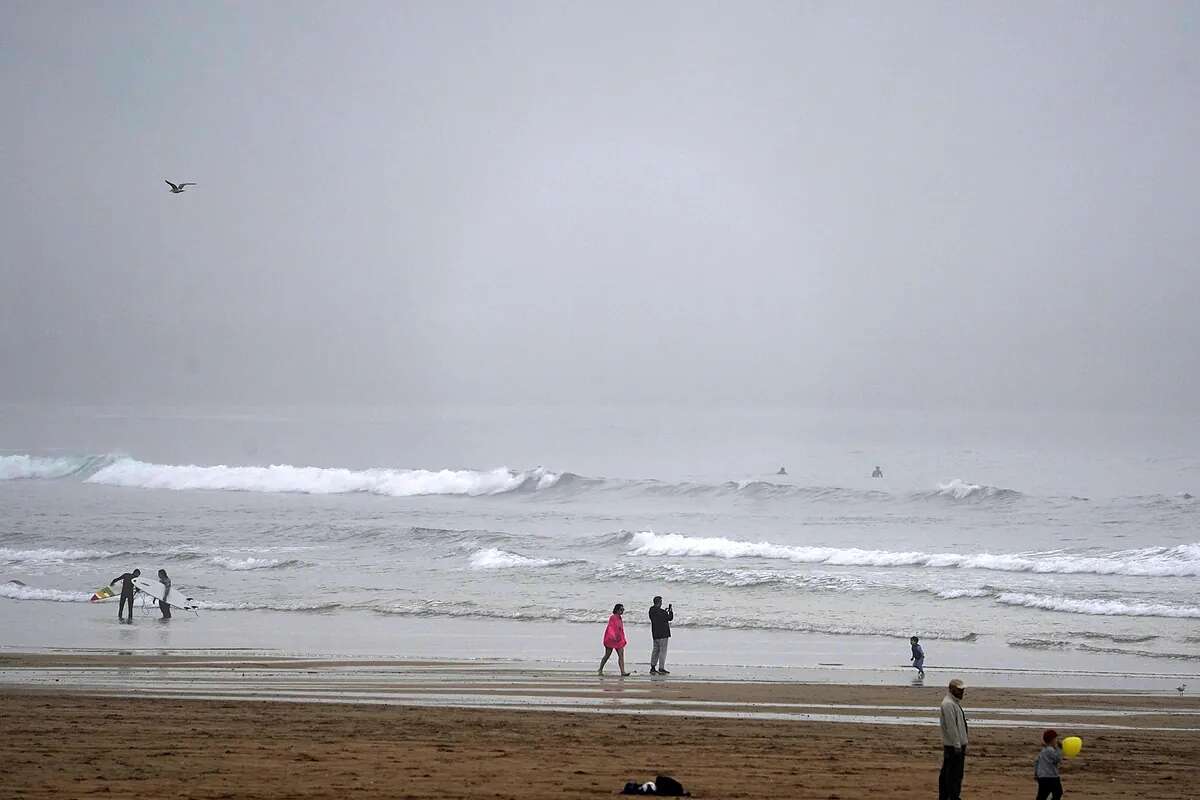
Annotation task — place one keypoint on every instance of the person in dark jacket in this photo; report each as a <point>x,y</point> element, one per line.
<point>127,590</point>
<point>163,605</point>
<point>660,631</point>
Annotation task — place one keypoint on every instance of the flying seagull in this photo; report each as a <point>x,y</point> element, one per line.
<point>177,188</point>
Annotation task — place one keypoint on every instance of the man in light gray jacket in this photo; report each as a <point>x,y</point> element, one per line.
<point>954,743</point>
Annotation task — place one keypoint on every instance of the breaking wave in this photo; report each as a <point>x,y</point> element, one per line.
<point>18,467</point>
<point>955,594</point>
<point>973,492</point>
<point>319,480</point>
<point>1103,608</point>
<point>19,591</point>
<point>250,563</point>
<point>495,558</point>
<point>211,605</point>
<point>119,470</point>
<point>729,578</point>
<point>1179,561</point>
<point>51,556</point>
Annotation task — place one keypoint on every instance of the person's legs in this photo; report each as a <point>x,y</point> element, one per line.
<point>662,656</point>
<point>603,661</point>
<point>951,777</point>
<point>621,660</point>
<point>1049,788</point>
<point>655,655</point>
<point>944,775</point>
<point>960,765</point>
<point>125,598</point>
<point>165,608</point>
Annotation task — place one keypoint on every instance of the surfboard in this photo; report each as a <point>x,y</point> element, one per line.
<point>103,593</point>
<point>153,589</point>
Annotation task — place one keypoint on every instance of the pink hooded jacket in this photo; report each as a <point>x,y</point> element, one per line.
<point>614,634</point>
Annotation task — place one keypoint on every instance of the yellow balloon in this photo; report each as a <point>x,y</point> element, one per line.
<point>1071,746</point>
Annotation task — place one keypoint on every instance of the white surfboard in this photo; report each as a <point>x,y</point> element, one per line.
<point>154,589</point>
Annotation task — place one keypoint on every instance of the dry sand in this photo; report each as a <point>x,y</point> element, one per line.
<point>68,743</point>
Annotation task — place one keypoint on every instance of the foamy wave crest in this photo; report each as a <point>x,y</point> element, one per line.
<point>213,605</point>
<point>249,563</point>
<point>466,608</point>
<point>19,591</point>
<point>17,467</point>
<point>1103,608</point>
<point>958,489</point>
<point>51,556</point>
<point>955,594</point>
<point>495,558</point>
<point>1179,561</point>
<point>729,578</point>
<point>318,480</point>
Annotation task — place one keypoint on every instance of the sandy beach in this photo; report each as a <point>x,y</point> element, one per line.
<point>212,727</point>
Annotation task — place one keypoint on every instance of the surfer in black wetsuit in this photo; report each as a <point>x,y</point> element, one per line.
<point>163,605</point>
<point>127,591</point>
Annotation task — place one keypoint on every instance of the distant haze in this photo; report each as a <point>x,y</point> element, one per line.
<point>916,205</point>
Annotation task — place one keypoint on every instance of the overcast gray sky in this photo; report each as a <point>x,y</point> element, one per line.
<point>896,204</point>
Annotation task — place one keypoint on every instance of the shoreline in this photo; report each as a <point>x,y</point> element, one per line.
<point>701,653</point>
<point>264,726</point>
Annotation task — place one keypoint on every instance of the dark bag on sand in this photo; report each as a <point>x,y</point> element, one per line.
<point>664,786</point>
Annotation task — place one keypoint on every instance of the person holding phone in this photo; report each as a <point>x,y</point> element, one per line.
<point>660,631</point>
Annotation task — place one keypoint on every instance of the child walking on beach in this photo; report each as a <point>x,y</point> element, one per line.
<point>1045,769</point>
<point>614,639</point>
<point>918,656</point>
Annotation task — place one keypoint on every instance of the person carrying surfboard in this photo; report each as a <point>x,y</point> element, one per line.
<point>163,605</point>
<point>127,590</point>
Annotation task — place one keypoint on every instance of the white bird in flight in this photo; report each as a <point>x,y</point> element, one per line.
<point>177,188</point>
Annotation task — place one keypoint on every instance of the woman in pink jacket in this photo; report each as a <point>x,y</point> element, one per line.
<point>614,639</point>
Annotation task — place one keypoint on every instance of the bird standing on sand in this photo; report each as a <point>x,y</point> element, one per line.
<point>1181,688</point>
<point>176,188</point>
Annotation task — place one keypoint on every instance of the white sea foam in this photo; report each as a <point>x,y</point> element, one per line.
<point>17,591</point>
<point>249,563</point>
<point>319,480</point>
<point>1178,561</point>
<point>1103,608</point>
<point>954,594</point>
<point>959,489</point>
<point>215,605</point>
<point>48,555</point>
<point>495,558</point>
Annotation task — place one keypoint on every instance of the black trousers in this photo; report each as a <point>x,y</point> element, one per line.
<point>165,608</point>
<point>1049,787</point>
<point>951,777</point>
<point>125,598</point>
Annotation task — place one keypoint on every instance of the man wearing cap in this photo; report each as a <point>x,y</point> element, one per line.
<point>954,743</point>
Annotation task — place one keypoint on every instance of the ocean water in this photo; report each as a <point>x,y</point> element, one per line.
<point>1010,541</point>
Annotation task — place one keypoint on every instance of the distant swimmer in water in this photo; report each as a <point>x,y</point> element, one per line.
<point>878,473</point>
<point>782,471</point>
